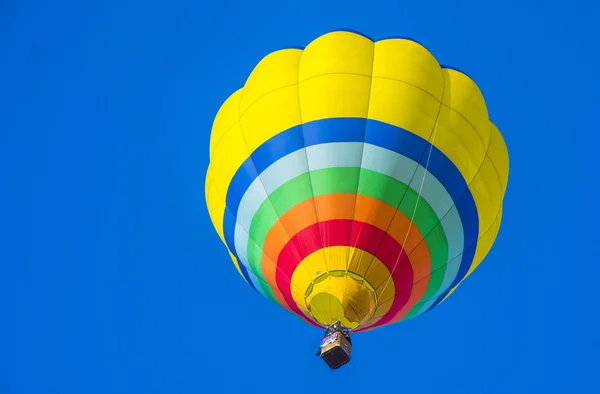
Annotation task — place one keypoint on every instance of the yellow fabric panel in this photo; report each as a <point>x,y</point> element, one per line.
<point>276,70</point>
<point>334,95</point>
<point>369,267</point>
<point>270,98</point>
<point>403,105</point>
<point>335,77</point>
<point>307,271</point>
<point>487,194</point>
<point>225,119</point>
<point>335,258</point>
<point>337,53</point>
<point>229,154</point>
<point>463,96</point>
<point>486,241</point>
<point>357,299</point>
<point>407,77</point>
<point>349,300</point>
<point>326,309</point>
<point>498,154</point>
<point>270,115</point>
<point>459,141</point>
<point>300,282</point>
<point>359,261</point>
<point>315,265</point>
<point>216,206</point>
<point>409,62</point>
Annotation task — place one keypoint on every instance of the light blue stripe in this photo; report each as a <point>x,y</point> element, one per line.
<point>455,238</point>
<point>334,154</point>
<point>277,174</point>
<point>254,197</point>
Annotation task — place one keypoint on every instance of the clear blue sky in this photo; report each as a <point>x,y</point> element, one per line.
<point>114,281</point>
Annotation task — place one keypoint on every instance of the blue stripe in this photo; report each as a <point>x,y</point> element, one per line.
<point>358,130</point>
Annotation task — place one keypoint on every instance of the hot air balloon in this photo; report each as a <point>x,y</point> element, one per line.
<point>356,183</point>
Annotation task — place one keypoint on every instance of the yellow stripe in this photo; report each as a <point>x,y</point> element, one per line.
<point>315,265</point>
<point>407,86</point>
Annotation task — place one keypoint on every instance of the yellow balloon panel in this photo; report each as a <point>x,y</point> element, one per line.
<point>337,53</point>
<point>463,96</point>
<point>226,117</point>
<point>408,62</point>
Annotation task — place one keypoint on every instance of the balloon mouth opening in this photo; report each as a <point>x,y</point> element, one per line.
<point>341,296</point>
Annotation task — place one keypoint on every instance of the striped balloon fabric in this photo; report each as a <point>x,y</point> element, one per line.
<point>356,181</point>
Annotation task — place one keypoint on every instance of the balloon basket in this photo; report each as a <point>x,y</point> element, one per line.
<point>336,350</point>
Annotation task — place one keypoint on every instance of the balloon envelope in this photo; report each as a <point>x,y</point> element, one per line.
<point>356,181</point>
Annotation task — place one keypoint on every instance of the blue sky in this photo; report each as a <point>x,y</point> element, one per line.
<point>114,281</point>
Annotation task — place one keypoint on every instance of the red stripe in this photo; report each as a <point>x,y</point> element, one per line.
<point>365,236</point>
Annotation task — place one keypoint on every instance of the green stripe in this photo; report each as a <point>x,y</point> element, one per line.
<point>345,180</point>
